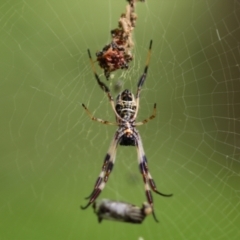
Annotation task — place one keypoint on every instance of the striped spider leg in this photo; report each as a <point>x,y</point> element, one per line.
<point>104,174</point>
<point>147,178</point>
<point>125,109</point>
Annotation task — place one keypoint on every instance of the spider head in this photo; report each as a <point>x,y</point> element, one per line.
<point>126,105</point>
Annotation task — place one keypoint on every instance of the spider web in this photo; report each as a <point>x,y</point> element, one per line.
<point>51,152</point>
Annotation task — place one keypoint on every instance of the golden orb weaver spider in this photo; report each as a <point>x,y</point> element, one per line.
<point>125,110</point>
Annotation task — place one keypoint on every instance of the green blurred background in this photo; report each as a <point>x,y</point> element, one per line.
<point>51,153</point>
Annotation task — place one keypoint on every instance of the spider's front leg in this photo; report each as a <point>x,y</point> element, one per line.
<point>104,174</point>
<point>147,178</point>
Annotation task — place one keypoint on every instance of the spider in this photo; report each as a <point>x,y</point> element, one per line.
<point>125,109</point>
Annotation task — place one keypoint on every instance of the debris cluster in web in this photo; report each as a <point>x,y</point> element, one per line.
<point>118,53</point>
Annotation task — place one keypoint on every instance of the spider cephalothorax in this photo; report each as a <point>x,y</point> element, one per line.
<point>125,109</point>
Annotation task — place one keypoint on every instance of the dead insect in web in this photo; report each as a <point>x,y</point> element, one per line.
<point>121,211</point>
